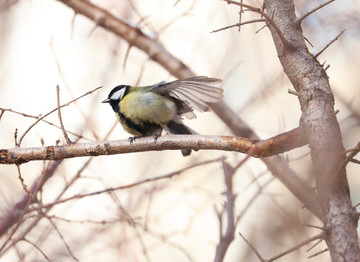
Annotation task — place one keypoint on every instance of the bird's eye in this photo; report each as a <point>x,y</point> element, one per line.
<point>118,95</point>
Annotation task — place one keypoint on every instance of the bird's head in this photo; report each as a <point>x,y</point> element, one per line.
<point>116,95</point>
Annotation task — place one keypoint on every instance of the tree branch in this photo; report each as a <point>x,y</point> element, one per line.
<point>319,124</point>
<point>262,148</point>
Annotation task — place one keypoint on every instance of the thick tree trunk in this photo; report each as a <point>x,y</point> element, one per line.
<point>320,127</point>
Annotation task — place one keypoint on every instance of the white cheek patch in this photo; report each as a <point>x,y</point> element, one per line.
<point>118,95</point>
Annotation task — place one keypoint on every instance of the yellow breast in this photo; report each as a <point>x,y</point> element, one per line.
<point>147,106</point>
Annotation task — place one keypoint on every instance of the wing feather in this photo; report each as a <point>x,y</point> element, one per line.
<point>195,92</point>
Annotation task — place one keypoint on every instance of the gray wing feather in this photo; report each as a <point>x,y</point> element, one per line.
<point>195,92</point>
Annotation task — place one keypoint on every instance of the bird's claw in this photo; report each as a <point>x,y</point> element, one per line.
<point>132,139</point>
<point>156,136</point>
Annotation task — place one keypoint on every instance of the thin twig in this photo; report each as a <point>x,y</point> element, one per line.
<point>2,113</point>
<point>319,253</point>
<point>300,19</point>
<point>24,186</point>
<point>52,111</point>
<point>111,189</point>
<point>45,121</point>
<point>239,25</point>
<point>240,14</point>
<point>252,248</point>
<point>290,250</point>
<point>37,248</point>
<point>284,41</point>
<point>329,44</point>
<point>16,138</point>
<point>226,239</point>
<point>68,141</point>
<point>354,151</point>
<point>62,239</point>
<point>296,247</point>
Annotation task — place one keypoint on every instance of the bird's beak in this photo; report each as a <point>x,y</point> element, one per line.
<point>107,100</point>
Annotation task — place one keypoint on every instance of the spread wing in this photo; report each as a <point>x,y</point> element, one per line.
<point>193,93</point>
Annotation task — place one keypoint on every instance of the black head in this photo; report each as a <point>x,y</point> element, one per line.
<point>116,95</point>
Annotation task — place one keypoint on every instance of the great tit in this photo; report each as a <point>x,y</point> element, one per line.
<point>147,110</point>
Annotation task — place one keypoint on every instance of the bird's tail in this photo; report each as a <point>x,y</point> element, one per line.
<point>181,129</point>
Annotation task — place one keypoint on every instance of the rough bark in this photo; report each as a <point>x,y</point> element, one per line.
<point>318,124</point>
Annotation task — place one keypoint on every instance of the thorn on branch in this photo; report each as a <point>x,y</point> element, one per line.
<point>300,19</point>
<point>329,44</point>
<point>99,21</point>
<point>293,92</point>
<point>353,152</point>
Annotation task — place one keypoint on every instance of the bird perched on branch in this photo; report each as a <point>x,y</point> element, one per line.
<point>147,110</point>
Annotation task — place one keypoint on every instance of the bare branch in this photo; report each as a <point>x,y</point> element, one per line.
<point>296,247</point>
<point>284,41</point>
<point>62,239</point>
<point>38,249</point>
<point>256,148</point>
<point>24,186</point>
<point>329,44</point>
<point>111,189</point>
<point>354,151</point>
<point>239,25</point>
<point>226,239</point>
<point>43,120</point>
<point>252,248</point>
<point>68,141</point>
<point>52,111</point>
<point>300,19</point>
<point>290,250</point>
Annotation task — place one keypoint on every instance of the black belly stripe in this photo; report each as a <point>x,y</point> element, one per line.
<point>144,128</point>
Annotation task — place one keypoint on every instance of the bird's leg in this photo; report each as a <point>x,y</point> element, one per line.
<point>157,135</point>
<point>132,138</point>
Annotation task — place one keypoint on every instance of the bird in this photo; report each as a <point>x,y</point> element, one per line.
<point>147,110</point>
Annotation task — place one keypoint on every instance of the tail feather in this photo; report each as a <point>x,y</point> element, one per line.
<point>181,129</point>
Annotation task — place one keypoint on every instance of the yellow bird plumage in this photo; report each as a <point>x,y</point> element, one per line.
<point>147,110</point>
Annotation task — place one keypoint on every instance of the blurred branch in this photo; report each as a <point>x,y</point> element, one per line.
<point>15,215</point>
<point>348,104</point>
<point>227,237</point>
<point>286,252</point>
<point>112,189</point>
<point>134,36</point>
<point>256,148</point>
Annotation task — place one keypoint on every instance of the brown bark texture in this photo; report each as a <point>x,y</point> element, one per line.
<point>319,126</point>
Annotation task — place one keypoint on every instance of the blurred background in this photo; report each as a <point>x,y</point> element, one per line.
<point>179,219</point>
